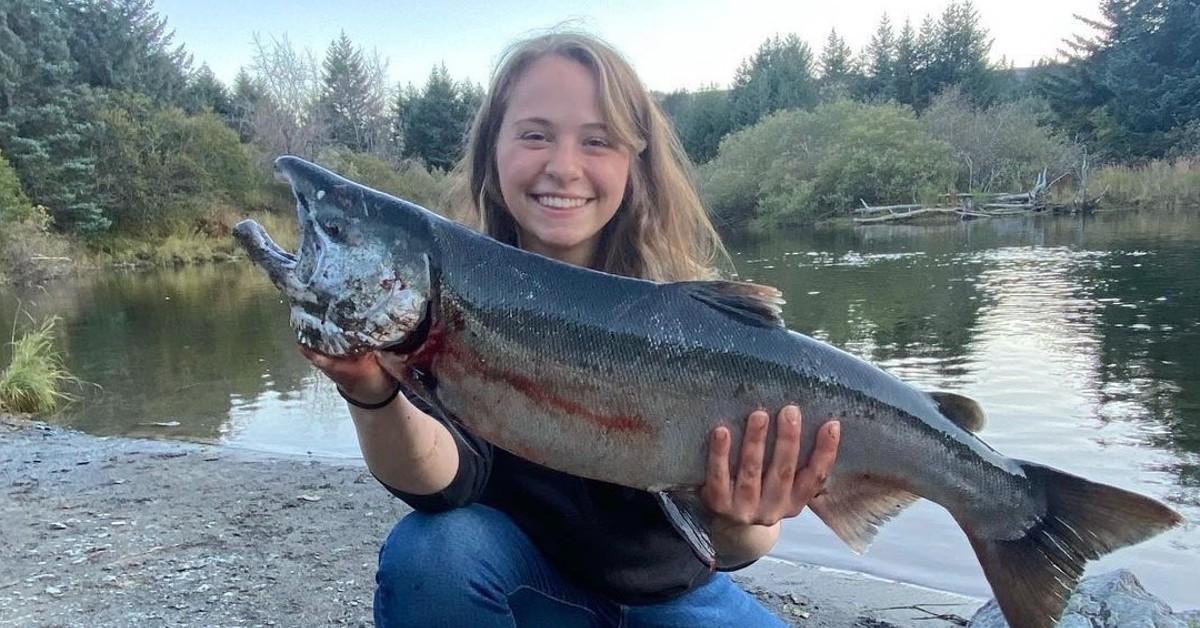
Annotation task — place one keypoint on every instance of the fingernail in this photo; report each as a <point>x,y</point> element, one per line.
<point>835,429</point>
<point>793,415</point>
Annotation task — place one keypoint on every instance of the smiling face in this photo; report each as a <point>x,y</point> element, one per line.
<point>561,173</point>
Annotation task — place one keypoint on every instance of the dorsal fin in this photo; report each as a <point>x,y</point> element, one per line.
<point>964,411</point>
<point>749,302</point>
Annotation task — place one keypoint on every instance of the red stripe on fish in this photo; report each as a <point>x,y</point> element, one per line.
<point>439,343</point>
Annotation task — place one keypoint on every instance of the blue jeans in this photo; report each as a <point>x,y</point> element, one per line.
<point>474,567</point>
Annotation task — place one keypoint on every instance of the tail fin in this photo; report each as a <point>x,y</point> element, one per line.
<point>1033,576</point>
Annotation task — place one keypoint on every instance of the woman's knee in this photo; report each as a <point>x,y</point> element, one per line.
<point>425,547</point>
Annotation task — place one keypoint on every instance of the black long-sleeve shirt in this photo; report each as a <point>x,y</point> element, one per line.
<point>607,538</point>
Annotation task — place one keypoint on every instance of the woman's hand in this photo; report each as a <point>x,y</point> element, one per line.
<point>760,496</point>
<point>360,377</point>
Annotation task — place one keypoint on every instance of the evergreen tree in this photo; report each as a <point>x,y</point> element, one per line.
<point>205,92</point>
<point>905,70</point>
<point>838,71</point>
<point>927,72</point>
<point>352,103</point>
<point>1133,87</point>
<point>961,54</point>
<point>880,62</point>
<point>401,107</point>
<point>243,103</point>
<point>125,45</point>
<point>47,124</point>
<point>435,122</point>
<point>778,76</point>
<point>701,119</point>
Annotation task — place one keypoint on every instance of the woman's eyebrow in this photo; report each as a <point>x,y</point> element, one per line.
<point>534,120</point>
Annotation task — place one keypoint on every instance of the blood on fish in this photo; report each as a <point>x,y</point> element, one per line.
<point>439,342</point>
<point>619,423</point>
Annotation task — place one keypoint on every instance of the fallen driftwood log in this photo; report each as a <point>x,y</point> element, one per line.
<point>910,214</point>
<point>876,209</point>
<point>978,205</point>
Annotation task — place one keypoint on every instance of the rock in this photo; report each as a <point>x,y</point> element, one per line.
<point>1110,600</point>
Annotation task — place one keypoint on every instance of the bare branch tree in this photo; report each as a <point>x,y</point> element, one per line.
<point>290,80</point>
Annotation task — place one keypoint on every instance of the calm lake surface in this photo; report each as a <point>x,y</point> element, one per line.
<point>1081,337</point>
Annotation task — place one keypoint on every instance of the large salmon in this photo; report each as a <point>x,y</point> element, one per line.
<point>622,380</point>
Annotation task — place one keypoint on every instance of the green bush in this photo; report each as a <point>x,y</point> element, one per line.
<point>408,180</point>
<point>159,167</point>
<point>1002,148</point>
<point>14,205</point>
<point>795,167</point>
<point>33,378</point>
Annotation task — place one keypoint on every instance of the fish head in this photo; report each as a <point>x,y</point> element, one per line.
<point>361,279</point>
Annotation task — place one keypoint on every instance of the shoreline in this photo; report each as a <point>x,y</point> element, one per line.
<point>117,531</point>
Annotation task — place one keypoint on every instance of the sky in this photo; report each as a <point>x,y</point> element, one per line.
<point>673,44</point>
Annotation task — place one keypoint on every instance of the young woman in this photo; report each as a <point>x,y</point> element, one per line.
<point>571,158</point>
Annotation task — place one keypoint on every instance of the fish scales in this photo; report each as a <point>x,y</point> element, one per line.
<point>683,376</point>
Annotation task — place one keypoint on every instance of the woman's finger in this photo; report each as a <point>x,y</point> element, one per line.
<point>747,489</point>
<point>811,479</point>
<point>781,474</point>
<point>717,493</point>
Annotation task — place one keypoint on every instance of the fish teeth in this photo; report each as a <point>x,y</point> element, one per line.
<point>328,336</point>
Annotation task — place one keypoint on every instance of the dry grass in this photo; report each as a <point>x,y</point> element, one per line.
<point>1168,184</point>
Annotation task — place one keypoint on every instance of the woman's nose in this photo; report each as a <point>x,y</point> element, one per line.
<point>566,162</point>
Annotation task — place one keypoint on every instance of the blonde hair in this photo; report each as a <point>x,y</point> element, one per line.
<point>661,230</point>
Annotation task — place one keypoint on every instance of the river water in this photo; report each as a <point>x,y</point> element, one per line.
<point>1080,336</point>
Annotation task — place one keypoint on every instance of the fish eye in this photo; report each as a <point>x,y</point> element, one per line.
<point>334,229</point>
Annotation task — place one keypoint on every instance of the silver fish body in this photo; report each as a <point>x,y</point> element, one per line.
<point>623,380</point>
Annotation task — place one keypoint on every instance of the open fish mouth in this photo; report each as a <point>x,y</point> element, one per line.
<point>313,328</point>
<point>321,334</point>
<point>256,239</point>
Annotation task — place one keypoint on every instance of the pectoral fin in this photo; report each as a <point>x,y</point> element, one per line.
<point>686,514</point>
<point>855,508</point>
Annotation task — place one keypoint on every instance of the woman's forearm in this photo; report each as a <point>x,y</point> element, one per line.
<point>405,448</point>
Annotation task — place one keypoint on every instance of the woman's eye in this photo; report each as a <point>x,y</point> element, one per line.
<point>597,142</point>
<point>533,136</point>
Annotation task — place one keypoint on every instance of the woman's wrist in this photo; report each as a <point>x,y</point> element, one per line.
<point>368,401</point>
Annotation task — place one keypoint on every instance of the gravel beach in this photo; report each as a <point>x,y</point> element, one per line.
<point>108,531</point>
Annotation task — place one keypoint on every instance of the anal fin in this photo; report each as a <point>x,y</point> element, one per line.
<point>686,514</point>
<point>855,507</point>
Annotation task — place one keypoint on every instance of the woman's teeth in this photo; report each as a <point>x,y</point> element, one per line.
<point>559,202</point>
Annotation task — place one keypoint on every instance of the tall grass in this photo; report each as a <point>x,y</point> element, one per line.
<point>1168,184</point>
<point>32,382</point>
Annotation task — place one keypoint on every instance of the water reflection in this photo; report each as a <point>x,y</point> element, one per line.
<point>1080,336</point>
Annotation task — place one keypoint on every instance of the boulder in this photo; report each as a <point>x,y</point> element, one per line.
<point>1111,600</point>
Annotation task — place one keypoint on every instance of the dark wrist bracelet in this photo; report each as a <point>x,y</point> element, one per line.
<point>370,406</point>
